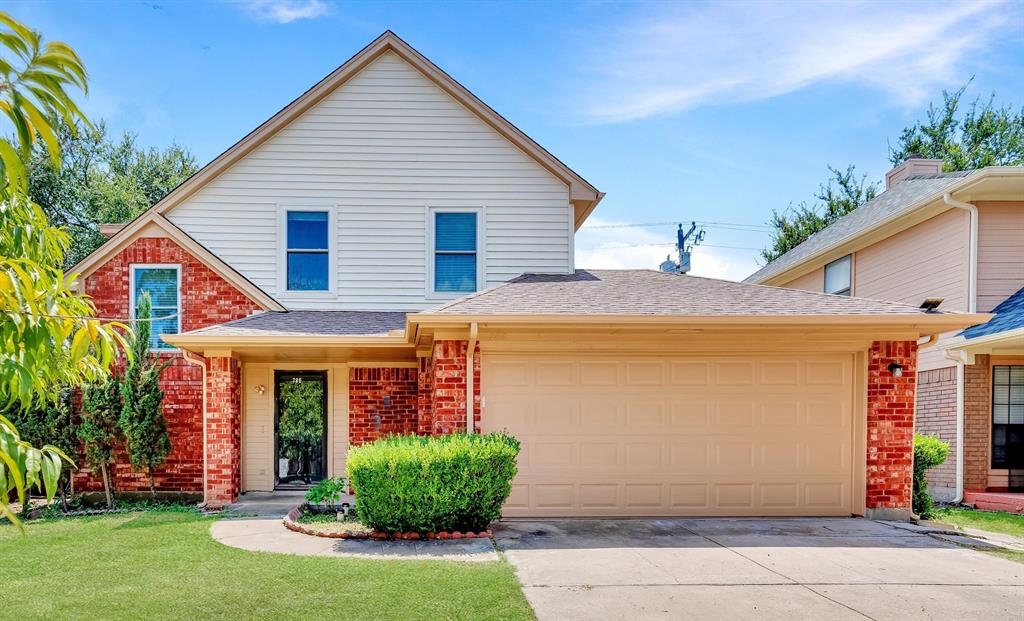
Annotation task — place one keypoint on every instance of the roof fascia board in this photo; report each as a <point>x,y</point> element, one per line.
<point>187,341</point>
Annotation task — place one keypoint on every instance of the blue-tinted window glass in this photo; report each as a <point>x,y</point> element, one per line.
<point>455,252</point>
<point>162,285</point>
<point>455,272</point>
<point>307,230</point>
<point>455,232</point>
<point>307,271</point>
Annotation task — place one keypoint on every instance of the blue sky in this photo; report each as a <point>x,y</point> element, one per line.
<point>716,112</point>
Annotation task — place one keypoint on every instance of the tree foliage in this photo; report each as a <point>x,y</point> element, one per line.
<point>99,431</point>
<point>39,310</point>
<point>965,138</point>
<point>842,193</point>
<point>142,418</point>
<point>301,427</point>
<point>101,180</point>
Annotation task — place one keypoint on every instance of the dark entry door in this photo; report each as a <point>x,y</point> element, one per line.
<point>1008,422</point>
<point>300,428</point>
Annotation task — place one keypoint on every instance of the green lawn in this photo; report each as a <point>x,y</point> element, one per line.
<point>992,521</point>
<point>166,566</point>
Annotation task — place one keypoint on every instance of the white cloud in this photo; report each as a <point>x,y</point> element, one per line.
<point>635,247</point>
<point>284,11</point>
<point>679,56</point>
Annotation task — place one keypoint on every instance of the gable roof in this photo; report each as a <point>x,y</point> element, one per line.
<point>583,195</point>
<point>916,198</point>
<point>896,201</point>
<point>653,294</point>
<point>145,224</point>
<point>308,323</point>
<point>1009,315</point>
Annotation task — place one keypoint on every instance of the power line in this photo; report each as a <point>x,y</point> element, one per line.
<point>651,245</point>
<point>725,225</point>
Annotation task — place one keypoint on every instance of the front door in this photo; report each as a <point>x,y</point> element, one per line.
<point>1008,422</point>
<point>300,428</point>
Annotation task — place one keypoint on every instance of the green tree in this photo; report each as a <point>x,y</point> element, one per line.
<point>142,417</point>
<point>842,193</point>
<point>100,181</point>
<point>99,431</point>
<point>301,427</point>
<point>40,312</point>
<point>965,138</point>
<point>51,422</point>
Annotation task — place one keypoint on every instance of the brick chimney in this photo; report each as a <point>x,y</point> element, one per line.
<point>913,165</point>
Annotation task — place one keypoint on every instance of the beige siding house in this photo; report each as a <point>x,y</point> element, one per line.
<point>958,236</point>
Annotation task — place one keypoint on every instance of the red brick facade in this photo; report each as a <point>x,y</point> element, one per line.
<point>448,407</point>
<point>890,426</point>
<point>382,402</point>
<point>977,422</point>
<point>223,431</point>
<point>206,299</point>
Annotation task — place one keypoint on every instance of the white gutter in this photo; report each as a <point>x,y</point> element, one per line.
<point>960,358</point>
<point>202,365</point>
<point>470,398</point>
<point>972,281</point>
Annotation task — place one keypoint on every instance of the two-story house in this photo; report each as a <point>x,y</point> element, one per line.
<point>395,243</point>
<point>959,237</point>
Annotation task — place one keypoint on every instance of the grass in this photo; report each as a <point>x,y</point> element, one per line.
<point>992,521</point>
<point>165,565</point>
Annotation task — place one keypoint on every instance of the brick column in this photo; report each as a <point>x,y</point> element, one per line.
<point>890,430</point>
<point>977,422</point>
<point>223,431</point>
<point>448,390</point>
<point>425,396</point>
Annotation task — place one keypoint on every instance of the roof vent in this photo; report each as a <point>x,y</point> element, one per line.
<point>915,164</point>
<point>931,305</point>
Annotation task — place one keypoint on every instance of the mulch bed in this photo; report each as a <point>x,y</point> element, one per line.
<point>291,522</point>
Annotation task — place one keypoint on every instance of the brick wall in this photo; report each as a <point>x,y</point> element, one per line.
<point>448,388</point>
<point>890,426</point>
<point>425,395</point>
<point>223,430</point>
<point>368,416</point>
<point>936,415</point>
<point>977,422</point>
<point>207,299</point>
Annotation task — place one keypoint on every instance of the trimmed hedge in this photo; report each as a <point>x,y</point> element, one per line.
<point>430,484</point>
<point>929,451</point>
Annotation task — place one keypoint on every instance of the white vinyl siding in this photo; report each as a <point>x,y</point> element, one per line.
<point>384,149</point>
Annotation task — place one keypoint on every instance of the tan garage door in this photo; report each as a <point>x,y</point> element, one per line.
<point>675,436</point>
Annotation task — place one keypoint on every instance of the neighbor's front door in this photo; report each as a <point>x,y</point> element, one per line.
<point>300,428</point>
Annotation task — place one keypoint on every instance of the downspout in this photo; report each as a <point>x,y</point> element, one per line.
<point>470,372</point>
<point>202,365</point>
<point>960,357</point>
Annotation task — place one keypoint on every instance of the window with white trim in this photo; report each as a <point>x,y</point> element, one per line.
<point>308,251</point>
<point>838,276</point>
<point>163,284</point>
<point>455,251</point>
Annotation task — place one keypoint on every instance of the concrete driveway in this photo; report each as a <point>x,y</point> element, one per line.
<point>754,569</point>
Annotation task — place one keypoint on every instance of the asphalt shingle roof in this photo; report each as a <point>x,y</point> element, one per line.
<point>310,323</point>
<point>886,205</point>
<point>648,292</point>
<point>1009,316</point>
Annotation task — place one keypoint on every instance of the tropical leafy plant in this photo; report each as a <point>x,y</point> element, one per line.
<point>40,311</point>
<point>142,416</point>
<point>327,492</point>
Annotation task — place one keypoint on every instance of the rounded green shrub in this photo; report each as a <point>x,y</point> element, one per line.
<point>929,452</point>
<point>431,484</point>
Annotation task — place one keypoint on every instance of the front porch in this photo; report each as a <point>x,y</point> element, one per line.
<point>1011,502</point>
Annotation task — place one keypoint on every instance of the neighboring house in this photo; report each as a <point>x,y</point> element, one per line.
<point>958,236</point>
<point>391,238</point>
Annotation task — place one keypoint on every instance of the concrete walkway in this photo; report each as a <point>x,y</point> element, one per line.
<point>754,569</point>
<point>255,524</point>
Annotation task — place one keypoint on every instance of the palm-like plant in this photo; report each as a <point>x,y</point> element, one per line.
<point>40,311</point>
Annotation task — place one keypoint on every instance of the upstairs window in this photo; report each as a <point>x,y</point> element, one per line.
<point>455,252</point>
<point>837,276</point>
<point>163,284</point>
<point>308,251</point>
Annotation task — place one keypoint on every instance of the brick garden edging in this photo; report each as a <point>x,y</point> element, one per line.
<point>291,523</point>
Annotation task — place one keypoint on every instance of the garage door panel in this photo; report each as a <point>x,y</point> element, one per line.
<point>675,436</point>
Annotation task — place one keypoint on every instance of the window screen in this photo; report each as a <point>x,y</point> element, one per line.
<point>455,252</point>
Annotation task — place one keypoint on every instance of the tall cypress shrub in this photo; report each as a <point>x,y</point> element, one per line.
<point>142,417</point>
<point>99,431</point>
